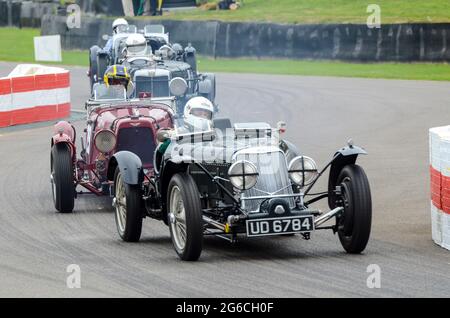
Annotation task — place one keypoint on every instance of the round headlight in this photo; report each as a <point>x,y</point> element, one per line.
<point>178,86</point>
<point>243,175</point>
<point>105,141</point>
<point>302,170</point>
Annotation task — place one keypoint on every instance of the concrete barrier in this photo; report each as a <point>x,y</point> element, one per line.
<point>440,185</point>
<point>33,93</point>
<point>354,42</point>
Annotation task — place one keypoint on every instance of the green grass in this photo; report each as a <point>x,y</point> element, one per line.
<point>324,11</point>
<point>407,71</point>
<point>18,47</point>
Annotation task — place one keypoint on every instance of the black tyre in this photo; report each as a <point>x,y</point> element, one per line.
<point>93,67</point>
<point>63,186</point>
<point>128,206</point>
<point>191,59</point>
<point>355,223</point>
<point>212,95</point>
<point>185,217</point>
<point>102,65</point>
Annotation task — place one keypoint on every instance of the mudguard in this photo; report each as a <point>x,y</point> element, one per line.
<point>290,150</point>
<point>63,131</point>
<point>207,87</point>
<point>344,156</point>
<point>130,166</point>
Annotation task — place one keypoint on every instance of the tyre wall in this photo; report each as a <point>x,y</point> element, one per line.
<point>353,42</point>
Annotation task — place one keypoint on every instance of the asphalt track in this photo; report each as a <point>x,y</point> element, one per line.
<point>389,118</point>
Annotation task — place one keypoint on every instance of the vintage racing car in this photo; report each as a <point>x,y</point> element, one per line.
<point>114,124</point>
<point>153,69</point>
<point>246,181</point>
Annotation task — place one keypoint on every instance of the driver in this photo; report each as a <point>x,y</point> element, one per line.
<point>117,25</point>
<point>118,75</point>
<point>136,45</point>
<point>198,115</point>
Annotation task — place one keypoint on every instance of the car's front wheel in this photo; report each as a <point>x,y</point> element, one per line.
<point>63,186</point>
<point>354,223</point>
<point>185,217</point>
<point>128,205</point>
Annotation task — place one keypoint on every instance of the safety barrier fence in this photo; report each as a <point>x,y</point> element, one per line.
<point>440,185</point>
<point>34,93</point>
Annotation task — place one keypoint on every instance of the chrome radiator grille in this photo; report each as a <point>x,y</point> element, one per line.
<point>158,86</point>
<point>273,177</point>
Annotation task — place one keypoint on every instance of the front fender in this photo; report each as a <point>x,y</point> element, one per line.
<point>351,150</point>
<point>64,132</point>
<point>344,156</point>
<point>130,166</point>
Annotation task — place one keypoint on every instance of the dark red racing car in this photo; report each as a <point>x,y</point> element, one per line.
<point>113,124</point>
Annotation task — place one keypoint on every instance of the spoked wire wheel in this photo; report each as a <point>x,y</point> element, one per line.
<point>121,204</point>
<point>178,218</point>
<point>128,205</point>
<point>185,217</point>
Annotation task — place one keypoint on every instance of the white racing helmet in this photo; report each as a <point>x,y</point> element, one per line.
<point>119,24</point>
<point>198,114</point>
<point>136,45</point>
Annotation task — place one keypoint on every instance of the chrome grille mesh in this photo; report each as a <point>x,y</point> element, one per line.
<point>272,177</point>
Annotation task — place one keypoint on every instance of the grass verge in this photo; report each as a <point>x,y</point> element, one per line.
<point>324,11</point>
<point>17,46</point>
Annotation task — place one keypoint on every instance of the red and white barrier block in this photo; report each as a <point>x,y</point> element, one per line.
<point>33,93</point>
<point>440,185</point>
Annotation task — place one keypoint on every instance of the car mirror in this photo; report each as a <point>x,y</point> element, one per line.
<point>162,135</point>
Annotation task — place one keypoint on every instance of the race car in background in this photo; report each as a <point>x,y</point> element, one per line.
<point>153,68</point>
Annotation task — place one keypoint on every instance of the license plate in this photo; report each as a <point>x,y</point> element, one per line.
<point>277,226</point>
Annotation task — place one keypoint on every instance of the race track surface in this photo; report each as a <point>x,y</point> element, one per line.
<point>389,118</point>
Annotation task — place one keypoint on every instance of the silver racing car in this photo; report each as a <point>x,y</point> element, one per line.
<point>241,180</point>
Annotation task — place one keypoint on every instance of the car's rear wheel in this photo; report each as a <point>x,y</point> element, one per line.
<point>185,217</point>
<point>354,223</point>
<point>128,205</point>
<point>63,186</point>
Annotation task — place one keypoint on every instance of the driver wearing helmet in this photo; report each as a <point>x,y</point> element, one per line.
<point>135,45</point>
<point>118,75</point>
<point>197,117</point>
<point>118,26</point>
<point>198,114</point>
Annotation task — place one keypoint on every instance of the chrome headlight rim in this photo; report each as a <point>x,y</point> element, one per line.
<point>308,168</point>
<point>100,134</point>
<point>178,86</point>
<point>239,180</point>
